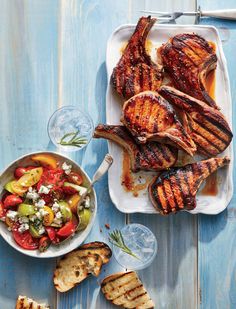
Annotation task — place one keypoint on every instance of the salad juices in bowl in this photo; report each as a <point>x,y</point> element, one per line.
<point>39,198</point>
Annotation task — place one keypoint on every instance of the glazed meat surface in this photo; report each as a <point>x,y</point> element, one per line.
<point>149,117</point>
<point>207,126</point>
<point>151,156</point>
<point>188,58</point>
<point>176,189</point>
<point>136,72</point>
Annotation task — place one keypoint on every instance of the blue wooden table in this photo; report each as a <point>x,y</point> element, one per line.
<point>52,53</point>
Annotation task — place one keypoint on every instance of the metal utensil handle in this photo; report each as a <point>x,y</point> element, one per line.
<point>103,168</point>
<point>223,14</point>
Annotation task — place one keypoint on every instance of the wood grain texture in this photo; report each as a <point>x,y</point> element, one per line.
<point>28,95</point>
<point>84,29</point>
<point>217,234</point>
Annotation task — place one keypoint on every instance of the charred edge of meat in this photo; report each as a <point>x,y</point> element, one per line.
<point>135,71</point>
<point>176,48</point>
<point>151,156</point>
<point>137,126</point>
<point>179,176</point>
<point>204,112</point>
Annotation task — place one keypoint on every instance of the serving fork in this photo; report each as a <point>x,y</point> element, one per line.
<point>229,14</point>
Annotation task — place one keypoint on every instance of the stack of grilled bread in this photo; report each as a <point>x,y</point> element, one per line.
<point>125,289</point>
<point>77,265</point>
<point>24,302</point>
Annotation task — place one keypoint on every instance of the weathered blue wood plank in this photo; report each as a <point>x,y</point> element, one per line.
<point>28,95</point>
<point>217,241</point>
<point>84,29</point>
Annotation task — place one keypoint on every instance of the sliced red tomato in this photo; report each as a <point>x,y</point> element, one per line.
<point>69,190</point>
<point>44,243</point>
<point>51,232</point>
<point>12,200</point>
<point>20,171</point>
<point>24,240</point>
<point>55,178</point>
<point>75,178</point>
<point>67,230</point>
<point>2,210</point>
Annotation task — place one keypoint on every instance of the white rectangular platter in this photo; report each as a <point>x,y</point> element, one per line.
<point>159,34</point>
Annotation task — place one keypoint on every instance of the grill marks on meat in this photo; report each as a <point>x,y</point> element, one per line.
<point>207,126</point>
<point>176,189</point>
<point>149,117</point>
<point>188,58</point>
<point>151,156</point>
<point>136,72</point>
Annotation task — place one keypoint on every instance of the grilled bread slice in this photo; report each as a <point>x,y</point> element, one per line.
<point>99,248</point>
<point>77,265</point>
<point>24,302</point>
<point>74,268</point>
<point>126,290</point>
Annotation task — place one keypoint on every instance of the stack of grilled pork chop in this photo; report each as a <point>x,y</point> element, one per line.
<point>158,120</point>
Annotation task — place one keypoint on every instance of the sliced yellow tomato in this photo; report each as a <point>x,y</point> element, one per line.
<point>17,188</point>
<point>31,177</point>
<point>9,222</point>
<point>48,218</point>
<point>73,201</point>
<point>45,160</point>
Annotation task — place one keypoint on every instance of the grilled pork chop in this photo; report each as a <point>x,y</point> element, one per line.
<point>188,58</point>
<point>136,72</point>
<point>207,126</point>
<point>149,117</point>
<point>151,156</point>
<point>176,188</point>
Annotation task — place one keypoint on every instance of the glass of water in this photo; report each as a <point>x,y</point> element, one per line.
<point>143,244</point>
<point>70,128</point>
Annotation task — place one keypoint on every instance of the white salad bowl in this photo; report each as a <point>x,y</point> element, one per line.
<point>65,246</point>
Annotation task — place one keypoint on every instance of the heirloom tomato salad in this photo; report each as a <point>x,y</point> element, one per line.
<point>40,203</point>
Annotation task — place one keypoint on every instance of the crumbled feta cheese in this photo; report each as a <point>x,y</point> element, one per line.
<point>55,207</point>
<point>24,220</point>
<point>41,230</point>
<point>40,203</point>
<point>32,194</point>
<point>87,202</point>
<point>32,218</point>
<point>38,215</point>
<point>23,227</point>
<point>43,212</point>
<point>44,190</point>
<point>58,215</point>
<point>11,214</point>
<point>57,221</point>
<point>9,228</point>
<point>67,168</point>
<point>81,207</point>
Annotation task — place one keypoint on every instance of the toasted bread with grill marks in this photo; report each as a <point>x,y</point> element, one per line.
<point>24,302</point>
<point>99,248</point>
<point>77,265</point>
<point>126,290</point>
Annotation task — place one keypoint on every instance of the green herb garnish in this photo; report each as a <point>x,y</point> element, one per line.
<point>72,139</point>
<point>116,239</point>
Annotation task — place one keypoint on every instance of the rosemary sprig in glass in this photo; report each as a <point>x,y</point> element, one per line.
<point>72,139</point>
<point>116,239</point>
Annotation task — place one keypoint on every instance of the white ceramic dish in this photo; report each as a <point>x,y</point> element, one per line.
<point>159,34</point>
<point>70,244</point>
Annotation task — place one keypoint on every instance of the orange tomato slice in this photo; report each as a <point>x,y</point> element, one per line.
<point>45,160</point>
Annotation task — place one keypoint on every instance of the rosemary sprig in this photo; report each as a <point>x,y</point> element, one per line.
<point>116,239</point>
<point>72,139</point>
